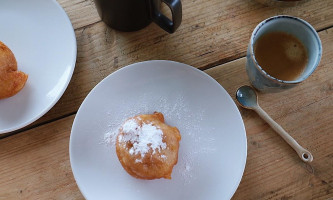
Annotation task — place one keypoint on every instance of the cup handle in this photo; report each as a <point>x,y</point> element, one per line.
<point>164,22</point>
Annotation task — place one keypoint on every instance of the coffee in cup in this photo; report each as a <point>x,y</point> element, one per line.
<point>283,51</point>
<point>281,55</point>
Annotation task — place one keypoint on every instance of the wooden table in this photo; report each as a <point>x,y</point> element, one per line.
<point>213,37</point>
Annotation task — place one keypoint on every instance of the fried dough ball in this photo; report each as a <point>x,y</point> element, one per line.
<point>147,148</point>
<point>11,80</point>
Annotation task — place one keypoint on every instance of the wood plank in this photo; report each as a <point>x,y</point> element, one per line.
<point>35,164</point>
<point>215,13</point>
<point>36,161</point>
<point>211,33</point>
<point>274,171</point>
<point>80,12</point>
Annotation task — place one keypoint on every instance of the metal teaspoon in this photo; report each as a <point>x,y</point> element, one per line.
<point>247,98</point>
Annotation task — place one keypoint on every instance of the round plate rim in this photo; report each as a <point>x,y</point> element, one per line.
<point>56,99</point>
<point>149,61</point>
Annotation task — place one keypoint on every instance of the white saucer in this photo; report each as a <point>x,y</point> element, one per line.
<point>42,39</point>
<point>213,147</point>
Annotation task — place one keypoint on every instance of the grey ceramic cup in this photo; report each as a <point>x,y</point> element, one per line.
<point>291,25</point>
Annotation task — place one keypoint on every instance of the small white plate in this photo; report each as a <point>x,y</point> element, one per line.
<point>42,39</point>
<point>213,147</point>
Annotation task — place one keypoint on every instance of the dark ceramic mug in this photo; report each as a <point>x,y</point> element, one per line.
<point>133,15</point>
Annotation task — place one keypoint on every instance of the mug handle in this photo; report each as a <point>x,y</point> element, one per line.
<point>164,22</point>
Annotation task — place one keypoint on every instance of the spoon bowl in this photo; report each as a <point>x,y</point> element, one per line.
<point>247,97</point>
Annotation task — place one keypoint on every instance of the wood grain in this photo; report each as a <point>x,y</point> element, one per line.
<point>211,33</point>
<point>35,164</point>
<point>80,12</point>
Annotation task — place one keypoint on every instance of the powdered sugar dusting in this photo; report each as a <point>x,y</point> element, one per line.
<point>110,138</point>
<point>130,126</point>
<point>143,138</point>
<point>195,141</point>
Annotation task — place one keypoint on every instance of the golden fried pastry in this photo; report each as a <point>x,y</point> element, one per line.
<point>147,148</point>
<point>11,80</point>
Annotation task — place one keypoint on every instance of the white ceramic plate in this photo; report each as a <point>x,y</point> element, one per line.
<point>42,39</point>
<point>213,147</point>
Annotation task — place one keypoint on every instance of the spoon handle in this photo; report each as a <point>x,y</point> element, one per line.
<point>304,154</point>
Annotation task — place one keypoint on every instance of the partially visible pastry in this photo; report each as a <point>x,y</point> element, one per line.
<point>147,148</point>
<point>11,80</point>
